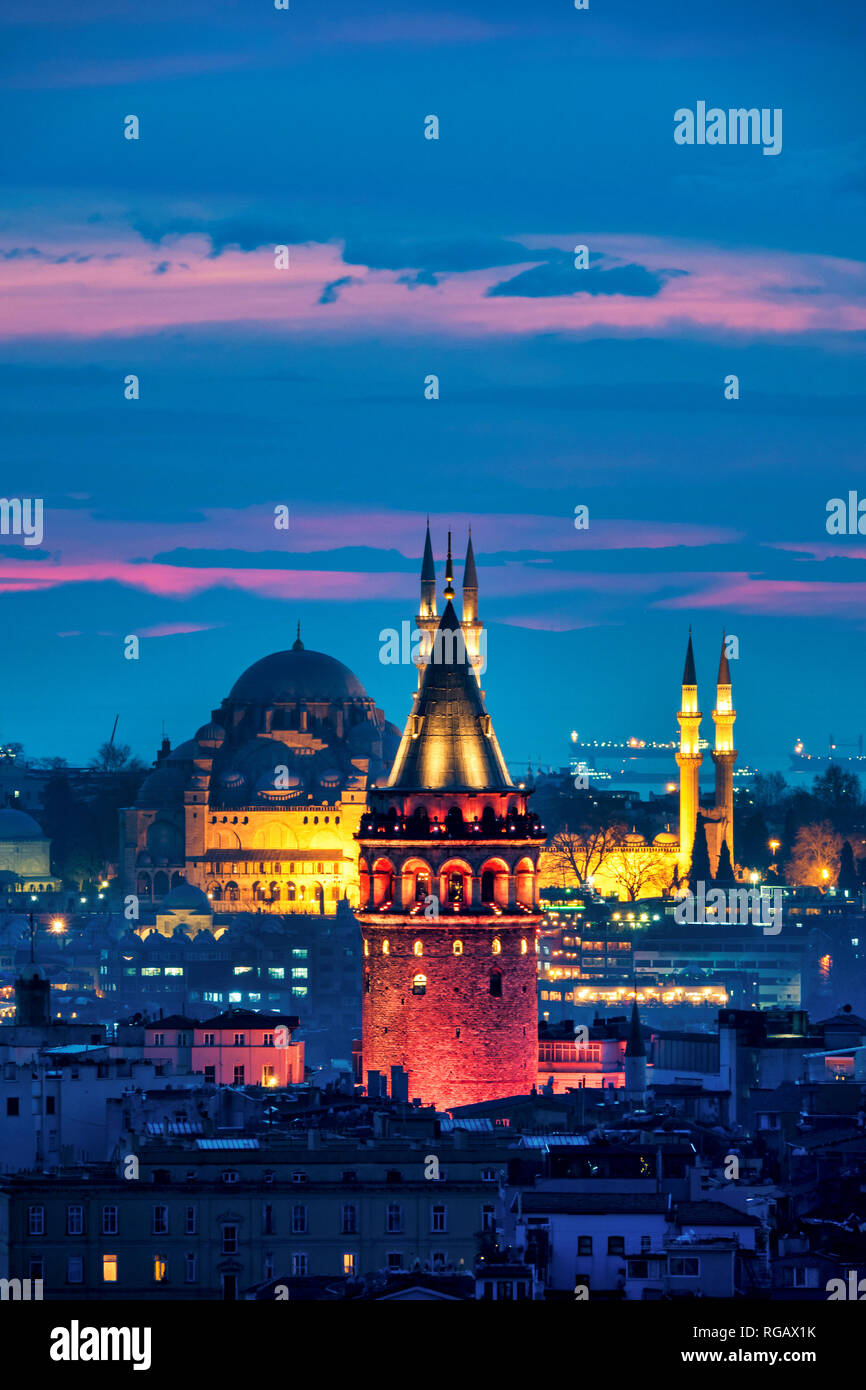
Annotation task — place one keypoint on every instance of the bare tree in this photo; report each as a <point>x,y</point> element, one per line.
<point>816,855</point>
<point>578,855</point>
<point>636,870</point>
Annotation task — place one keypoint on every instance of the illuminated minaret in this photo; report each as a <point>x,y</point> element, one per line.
<point>725,754</point>
<point>689,757</point>
<point>427,620</point>
<point>470,624</point>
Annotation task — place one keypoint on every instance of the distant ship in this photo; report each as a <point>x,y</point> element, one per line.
<point>855,761</point>
<point>634,762</point>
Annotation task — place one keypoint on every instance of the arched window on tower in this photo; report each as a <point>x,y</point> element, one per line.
<point>418,948</point>
<point>457,948</point>
<point>496,947</point>
<point>496,984</point>
<point>455,887</point>
<point>366,947</point>
<point>292,892</point>
<point>419,984</point>
<point>422,885</point>
<point>524,945</point>
<point>366,982</point>
<point>386,947</point>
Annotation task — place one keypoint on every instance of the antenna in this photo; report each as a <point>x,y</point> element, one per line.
<point>113,732</point>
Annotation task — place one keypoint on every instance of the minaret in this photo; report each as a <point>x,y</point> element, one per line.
<point>470,624</point>
<point>724,753</point>
<point>427,620</point>
<point>689,757</point>
<point>635,1060</point>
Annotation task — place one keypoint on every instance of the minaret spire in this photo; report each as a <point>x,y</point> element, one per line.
<point>689,758</point>
<point>449,572</point>
<point>297,645</point>
<point>724,753</point>
<point>428,579</point>
<point>470,622</point>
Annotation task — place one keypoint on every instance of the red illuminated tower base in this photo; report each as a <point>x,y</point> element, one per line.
<point>448,861</point>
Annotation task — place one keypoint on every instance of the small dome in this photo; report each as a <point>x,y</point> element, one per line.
<point>163,786</point>
<point>211,733</point>
<point>183,753</point>
<point>17,825</point>
<point>634,839</point>
<point>186,897</point>
<point>298,674</point>
<point>666,838</point>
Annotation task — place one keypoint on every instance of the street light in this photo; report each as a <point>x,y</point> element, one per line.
<point>57,926</point>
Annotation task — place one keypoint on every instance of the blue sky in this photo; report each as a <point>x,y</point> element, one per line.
<point>409,257</point>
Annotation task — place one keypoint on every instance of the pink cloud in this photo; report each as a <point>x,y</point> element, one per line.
<point>791,598</point>
<point>744,292</point>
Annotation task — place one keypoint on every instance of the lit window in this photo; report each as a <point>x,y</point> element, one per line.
<point>366,947</point>
<point>300,972</point>
<point>457,948</point>
<point>109,1269</point>
<point>419,984</point>
<point>418,948</point>
<point>350,1261</point>
<point>524,946</point>
<point>174,970</point>
<point>386,947</point>
<point>243,969</point>
<point>276,972</point>
<point>151,970</point>
<point>159,1269</point>
<point>497,946</point>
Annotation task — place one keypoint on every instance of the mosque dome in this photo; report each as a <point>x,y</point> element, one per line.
<point>211,733</point>
<point>297,674</point>
<point>187,898</point>
<point>17,825</point>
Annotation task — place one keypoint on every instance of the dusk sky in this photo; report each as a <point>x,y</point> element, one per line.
<point>409,257</point>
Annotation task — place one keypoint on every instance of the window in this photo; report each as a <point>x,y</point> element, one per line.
<point>584,1245</point>
<point>176,970</point>
<point>269,1077</point>
<point>457,948</point>
<point>109,1269</point>
<point>36,1267</point>
<point>299,1220</point>
<point>49,1105</point>
<point>229,1176</point>
<point>386,947</point>
<point>230,1240</point>
<point>646,1244</point>
<point>189,1273</point>
<point>394,1218</point>
<point>12,1106</point>
<point>488,1175</point>
<point>684,1267</point>
<point>394,1259</point>
<point>238,1076</point>
<point>799,1277</point>
<point>438,1219</point>
<point>75,1269</point>
<point>616,1245</point>
<point>300,1265</point>
<point>300,1177</point>
<point>159,1040</point>
<point>496,984</point>
<point>439,1259</point>
<point>75,1221</point>
<point>210,1076</point>
<point>109,1221</point>
<point>267,1039</point>
<point>190,1221</point>
<point>276,972</point>
<point>419,984</point>
<point>268,1219</point>
<point>488,1217</point>
<point>418,948</point>
<point>160,1269</point>
<point>496,946</point>
<point>240,1039</point>
<point>350,1264</point>
<point>160,1221</point>
<point>36,1221</point>
<point>210,1040</point>
<point>349,1222</point>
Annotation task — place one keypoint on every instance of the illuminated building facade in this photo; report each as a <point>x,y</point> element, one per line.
<point>448,868</point>
<point>259,810</point>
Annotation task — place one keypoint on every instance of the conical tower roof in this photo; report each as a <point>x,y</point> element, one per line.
<point>428,568</point>
<point>470,578</point>
<point>635,1047</point>
<point>724,668</point>
<point>689,674</point>
<point>449,741</point>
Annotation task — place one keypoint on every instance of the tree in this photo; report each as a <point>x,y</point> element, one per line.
<point>636,870</point>
<point>753,842</point>
<point>115,757</point>
<point>849,879</point>
<point>699,871</point>
<point>816,855</point>
<point>838,795</point>
<point>579,855</point>
<point>769,788</point>
<point>724,869</point>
